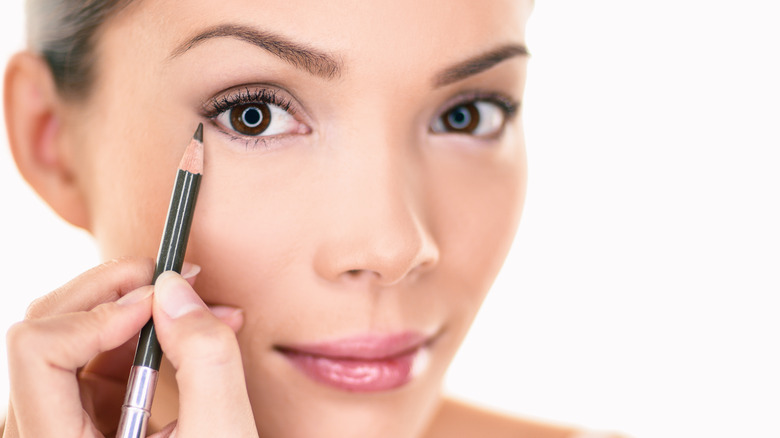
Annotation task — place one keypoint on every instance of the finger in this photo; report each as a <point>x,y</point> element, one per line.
<point>44,355</point>
<point>228,315</point>
<point>166,432</point>
<point>190,272</point>
<point>213,399</point>
<point>112,365</point>
<point>115,365</point>
<point>102,284</point>
<point>103,381</point>
<point>102,400</point>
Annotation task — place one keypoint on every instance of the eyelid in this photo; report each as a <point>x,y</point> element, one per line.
<point>508,104</point>
<point>249,93</point>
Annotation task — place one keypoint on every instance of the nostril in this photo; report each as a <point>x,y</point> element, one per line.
<point>361,275</point>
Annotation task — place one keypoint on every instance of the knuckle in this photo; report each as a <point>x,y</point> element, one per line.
<point>38,307</point>
<point>101,314</point>
<point>20,336</point>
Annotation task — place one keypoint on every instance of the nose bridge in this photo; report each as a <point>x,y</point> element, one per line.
<point>381,230</point>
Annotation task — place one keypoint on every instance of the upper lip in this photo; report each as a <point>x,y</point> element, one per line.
<point>367,347</point>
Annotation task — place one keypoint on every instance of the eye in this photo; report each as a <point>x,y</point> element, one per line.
<point>479,118</point>
<point>255,114</point>
<point>255,119</point>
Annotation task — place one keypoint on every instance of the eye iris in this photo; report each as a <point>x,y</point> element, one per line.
<point>462,118</point>
<point>250,119</point>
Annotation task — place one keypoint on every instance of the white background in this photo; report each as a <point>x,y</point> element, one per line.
<point>642,291</point>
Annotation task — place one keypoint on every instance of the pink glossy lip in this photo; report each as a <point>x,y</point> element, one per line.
<point>360,364</point>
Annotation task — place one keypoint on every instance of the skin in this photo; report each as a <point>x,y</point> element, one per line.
<point>361,221</point>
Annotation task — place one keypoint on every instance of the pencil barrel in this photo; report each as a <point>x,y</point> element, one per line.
<point>137,407</point>
<point>170,257</point>
<point>177,225</point>
<point>141,386</point>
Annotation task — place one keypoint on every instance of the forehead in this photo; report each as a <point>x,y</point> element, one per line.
<point>376,30</point>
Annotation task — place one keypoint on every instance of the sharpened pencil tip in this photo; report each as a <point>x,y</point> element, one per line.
<point>199,133</point>
<point>192,161</point>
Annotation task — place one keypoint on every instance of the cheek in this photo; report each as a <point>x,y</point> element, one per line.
<point>130,155</point>
<point>130,202</point>
<point>248,232</point>
<point>476,210</point>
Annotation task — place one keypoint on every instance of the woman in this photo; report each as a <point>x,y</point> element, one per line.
<point>364,177</point>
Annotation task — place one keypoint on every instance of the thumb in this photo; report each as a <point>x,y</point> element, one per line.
<point>213,399</point>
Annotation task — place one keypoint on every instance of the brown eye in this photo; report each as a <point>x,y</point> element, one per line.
<point>250,119</point>
<point>477,118</point>
<point>462,118</point>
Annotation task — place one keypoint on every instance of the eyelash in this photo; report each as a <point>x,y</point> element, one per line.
<point>247,95</point>
<point>508,105</point>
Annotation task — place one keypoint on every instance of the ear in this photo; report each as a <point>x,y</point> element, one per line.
<point>33,117</point>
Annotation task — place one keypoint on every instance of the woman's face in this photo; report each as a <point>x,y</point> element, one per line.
<point>362,226</point>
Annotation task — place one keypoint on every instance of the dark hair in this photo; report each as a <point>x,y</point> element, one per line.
<point>63,32</point>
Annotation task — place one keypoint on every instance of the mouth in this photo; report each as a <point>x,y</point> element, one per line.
<point>368,363</point>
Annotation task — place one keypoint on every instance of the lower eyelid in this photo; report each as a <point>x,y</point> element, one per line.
<point>247,142</point>
<point>263,142</point>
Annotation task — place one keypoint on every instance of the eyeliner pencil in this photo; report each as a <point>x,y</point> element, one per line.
<point>136,408</point>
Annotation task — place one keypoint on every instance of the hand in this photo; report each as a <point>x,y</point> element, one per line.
<point>70,358</point>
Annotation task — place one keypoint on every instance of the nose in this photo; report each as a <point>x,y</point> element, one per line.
<point>378,230</point>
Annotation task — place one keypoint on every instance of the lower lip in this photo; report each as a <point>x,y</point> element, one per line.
<point>359,375</point>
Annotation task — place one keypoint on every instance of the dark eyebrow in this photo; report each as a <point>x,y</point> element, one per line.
<point>305,58</point>
<point>478,64</point>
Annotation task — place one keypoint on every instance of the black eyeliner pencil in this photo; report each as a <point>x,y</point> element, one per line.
<point>136,408</point>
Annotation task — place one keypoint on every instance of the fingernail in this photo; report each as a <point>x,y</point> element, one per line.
<point>135,296</point>
<point>224,312</point>
<point>189,270</point>
<point>175,296</point>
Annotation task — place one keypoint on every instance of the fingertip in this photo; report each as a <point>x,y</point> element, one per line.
<point>175,295</point>
<point>189,271</point>
<point>136,296</point>
<point>231,316</point>
<point>167,431</point>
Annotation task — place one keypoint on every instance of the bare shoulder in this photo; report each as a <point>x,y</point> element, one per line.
<point>456,419</point>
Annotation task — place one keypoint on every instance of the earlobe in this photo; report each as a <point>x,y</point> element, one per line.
<point>33,116</point>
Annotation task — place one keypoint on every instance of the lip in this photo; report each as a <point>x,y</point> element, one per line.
<point>366,363</point>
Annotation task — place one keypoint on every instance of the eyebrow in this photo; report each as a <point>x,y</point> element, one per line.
<point>478,64</point>
<point>315,62</point>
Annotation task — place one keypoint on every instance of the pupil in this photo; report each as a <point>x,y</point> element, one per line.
<point>460,118</point>
<point>252,117</point>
